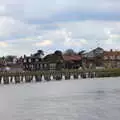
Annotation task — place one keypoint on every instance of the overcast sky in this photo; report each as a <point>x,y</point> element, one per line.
<point>29,25</point>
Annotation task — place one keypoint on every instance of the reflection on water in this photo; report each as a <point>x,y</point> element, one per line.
<point>63,100</point>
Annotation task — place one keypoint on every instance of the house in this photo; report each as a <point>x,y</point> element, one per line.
<point>11,67</point>
<point>36,63</point>
<point>11,63</point>
<point>32,63</point>
<point>60,61</point>
<point>54,61</point>
<point>93,58</point>
<point>112,59</point>
<point>72,61</point>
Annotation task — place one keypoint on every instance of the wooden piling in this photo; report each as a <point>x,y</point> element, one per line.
<point>75,75</point>
<point>17,79</point>
<point>28,78</point>
<point>0,79</point>
<point>6,79</point>
<point>67,76</point>
<point>47,77</point>
<point>38,78</point>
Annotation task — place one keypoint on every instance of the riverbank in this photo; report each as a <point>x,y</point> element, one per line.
<point>37,76</point>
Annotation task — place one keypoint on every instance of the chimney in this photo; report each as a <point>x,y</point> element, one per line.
<point>111,50</point>
<point>24,56</point>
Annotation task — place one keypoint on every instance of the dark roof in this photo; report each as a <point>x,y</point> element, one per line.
<point>32,57</point>
<point>94,53</point>
<point>53,58</point>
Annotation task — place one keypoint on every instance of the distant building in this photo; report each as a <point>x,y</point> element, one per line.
<point>72,61</point>
<point>31,63</point>
<point>112,59</point>
<point>93,58</point>
<point>55,61</point>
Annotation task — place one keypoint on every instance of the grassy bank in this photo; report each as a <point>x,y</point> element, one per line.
<point>99,73</point>
<point>108,73</point>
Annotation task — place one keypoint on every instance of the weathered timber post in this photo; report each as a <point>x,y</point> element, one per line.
<point>59,76</point>
<point>6,79</point>
<point>47,77</point>
<point>0,79</point>
<point>75,75</point>
<point>28,78</point>
<point>67,76</point>
<point>87,74</point>
<point>38,78</point>
<point>17,79</point>
<point>94,73</point>
<point>54,77</point>
<point>83,75</point>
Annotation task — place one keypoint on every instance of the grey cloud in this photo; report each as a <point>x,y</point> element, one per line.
<point>44,10</point>
<point>89,19</point>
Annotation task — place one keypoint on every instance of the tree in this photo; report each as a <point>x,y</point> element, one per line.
<point>10,58</point>
<point>3,58</point>
<point>58,52</point>
<point>70,52</point>
<point>39,53</point>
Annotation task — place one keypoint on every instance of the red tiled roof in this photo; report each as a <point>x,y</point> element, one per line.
<point>111,53</point>
<point>72,57</point>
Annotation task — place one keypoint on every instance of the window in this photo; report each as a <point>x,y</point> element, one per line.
<point>113,57</point>
<point>36,60</point>
<point>52,66</point>
<point>41,66</point>
<point>29,60</point>
<point>45,65</point>
<point>25,60</point>
<point>118,57</point>
<point>32,66</point>
<point>105,57</point>
<point>26,66</point>
<point>38,66</point>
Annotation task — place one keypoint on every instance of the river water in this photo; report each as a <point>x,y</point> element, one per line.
<point>90,99</point>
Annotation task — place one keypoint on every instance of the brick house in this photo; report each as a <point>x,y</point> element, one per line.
<point>72,61</point>
<point>112,59</point>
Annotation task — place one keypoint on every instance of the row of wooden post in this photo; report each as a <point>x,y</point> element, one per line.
<point>6,79</point>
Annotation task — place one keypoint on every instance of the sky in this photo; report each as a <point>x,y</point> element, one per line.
<point>29,25</point>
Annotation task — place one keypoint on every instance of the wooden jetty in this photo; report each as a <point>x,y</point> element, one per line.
<point>38,76</point>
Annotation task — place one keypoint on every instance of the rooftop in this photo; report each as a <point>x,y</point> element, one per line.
<point>72,57</point>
